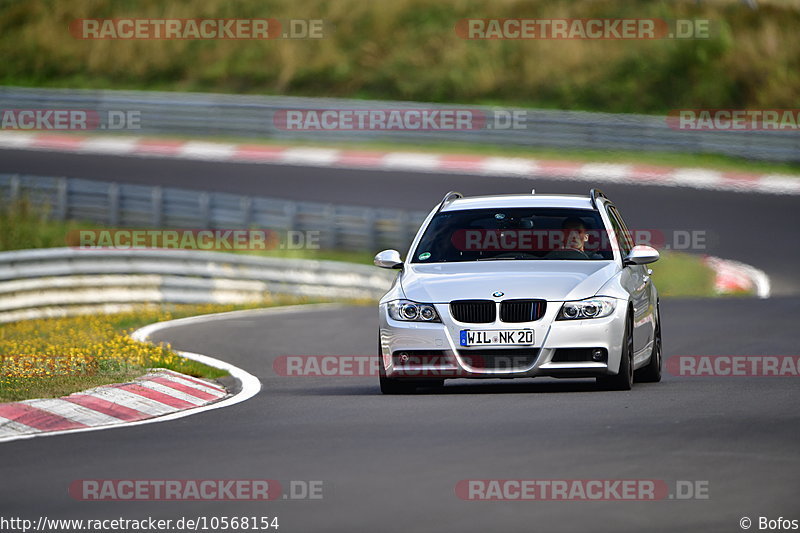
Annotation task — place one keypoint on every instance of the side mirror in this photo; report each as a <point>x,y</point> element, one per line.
<point>388,259</point>
<point>641,255</point>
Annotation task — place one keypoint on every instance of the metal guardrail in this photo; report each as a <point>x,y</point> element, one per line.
<point>66,281</point>
<point>121,205</point>
<point>252,116</point>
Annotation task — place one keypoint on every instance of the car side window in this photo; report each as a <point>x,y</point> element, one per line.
<point>621,232</point>
<point>628,233</point>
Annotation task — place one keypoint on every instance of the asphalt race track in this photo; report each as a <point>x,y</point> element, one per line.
<point>392,463</point>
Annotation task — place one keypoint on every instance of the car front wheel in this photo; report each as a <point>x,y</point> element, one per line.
<point>624,378</point>
<point>652,372</point>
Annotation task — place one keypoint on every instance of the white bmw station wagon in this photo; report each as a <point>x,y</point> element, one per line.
<point>519,286</point>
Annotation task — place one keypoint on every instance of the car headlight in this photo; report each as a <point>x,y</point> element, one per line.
<point>591,308</point>
<point>409,311</point>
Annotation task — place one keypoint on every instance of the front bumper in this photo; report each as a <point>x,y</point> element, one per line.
<point>417,350</point>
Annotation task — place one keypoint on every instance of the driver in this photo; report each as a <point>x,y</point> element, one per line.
<point>575,239</point>
<point>575,236</point>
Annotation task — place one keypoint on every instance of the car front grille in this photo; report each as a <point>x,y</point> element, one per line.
<point>522,310</point>
<point>500,359</point>
<point>473,311</point>
<point>485,311</point>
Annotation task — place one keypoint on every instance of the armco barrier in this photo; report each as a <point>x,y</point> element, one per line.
<point>135,206</point>
<point>64,281</point>
<point>199,114</point>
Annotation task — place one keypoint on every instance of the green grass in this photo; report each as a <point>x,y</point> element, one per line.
<point>88,351</point>
<point>361,257</point>
<point>683,275</point>
<point>56,356</point>
<point>409,50</point>
<point>25,226</point>
<point>28,389</point>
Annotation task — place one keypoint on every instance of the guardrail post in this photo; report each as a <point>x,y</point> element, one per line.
<point>406,231</point>
<point>290,210</point>
<point>246,206</point>
<point>204,201</point>
<point>157,203</point>
<point>113,204</point>
<point>62,194</point>
<point>371,220</point>
<point>330,230</point>
<point>14,185</point>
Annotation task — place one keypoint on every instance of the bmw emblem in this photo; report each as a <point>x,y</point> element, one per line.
<point>498,294</point>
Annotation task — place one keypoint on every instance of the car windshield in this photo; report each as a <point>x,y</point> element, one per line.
<point>521,233</point>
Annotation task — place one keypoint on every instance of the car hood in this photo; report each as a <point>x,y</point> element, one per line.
<point>550,280</point>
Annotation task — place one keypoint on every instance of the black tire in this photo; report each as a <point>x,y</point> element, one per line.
<point>652,372</point>
<point>623,380</point>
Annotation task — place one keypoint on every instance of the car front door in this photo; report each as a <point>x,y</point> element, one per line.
<point>635,279</point>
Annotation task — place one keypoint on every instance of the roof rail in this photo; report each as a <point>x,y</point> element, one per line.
<point>594,194</point>
<point>449,197</point>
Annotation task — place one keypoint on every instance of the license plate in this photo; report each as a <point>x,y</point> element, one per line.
<point>496,337</point>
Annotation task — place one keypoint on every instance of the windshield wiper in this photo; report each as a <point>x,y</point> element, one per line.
<point>512,258</point>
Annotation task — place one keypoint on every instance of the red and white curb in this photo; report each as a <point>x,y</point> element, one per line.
<point>161,395</point>
<point>406,161</point>
<point>733,277</point>
<point>157,393</point>
<point>124,401</point>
